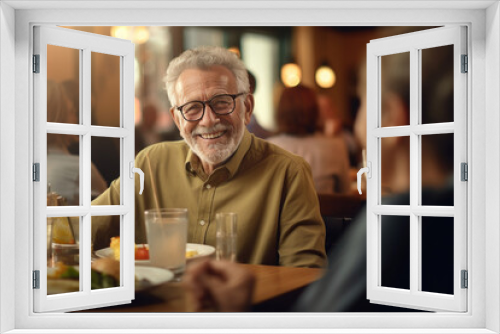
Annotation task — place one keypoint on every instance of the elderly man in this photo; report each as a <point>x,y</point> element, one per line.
<point>220,166</point>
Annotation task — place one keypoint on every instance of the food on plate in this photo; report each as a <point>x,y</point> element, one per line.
<point>60,271</point>
<point>105,273</point>
<point>142,250</point>
<point>191,252</point>
<point>115,246</point>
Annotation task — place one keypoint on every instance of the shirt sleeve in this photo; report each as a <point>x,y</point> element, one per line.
<point>105,227</point>
<point>302,230</point>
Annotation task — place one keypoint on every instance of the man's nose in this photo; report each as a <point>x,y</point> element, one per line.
<point>209,118</point>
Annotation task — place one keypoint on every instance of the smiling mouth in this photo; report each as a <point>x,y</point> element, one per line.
<point>212,135</point>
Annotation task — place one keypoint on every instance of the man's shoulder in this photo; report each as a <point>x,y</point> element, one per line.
<point>176,149</point>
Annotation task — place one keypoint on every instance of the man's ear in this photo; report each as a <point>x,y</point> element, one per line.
<point>175,116</point>
<point>249,104</point>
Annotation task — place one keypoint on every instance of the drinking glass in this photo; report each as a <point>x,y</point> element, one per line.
<point>226,236</point>
<point>166,230</point>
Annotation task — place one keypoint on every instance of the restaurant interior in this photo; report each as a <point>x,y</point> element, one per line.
<point>328,60</point>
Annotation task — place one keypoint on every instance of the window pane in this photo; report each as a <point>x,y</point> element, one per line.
<point>395,151</point>
<point>105,156</point>
<point>63,78</point>
<point>105,90</point>
<point>63,255</point>
<point>396,251</point>
<point>437,254</point>
<point>63,170</point>
<point>106,245</point>
<point>395,89</point>
<point>437,84</point>
<point>437,169</point>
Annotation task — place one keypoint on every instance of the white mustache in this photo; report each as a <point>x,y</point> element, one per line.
<point>213,129</point>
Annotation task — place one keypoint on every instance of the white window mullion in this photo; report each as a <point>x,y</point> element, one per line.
<point>415,170</point>
<point>460,155</point>
<point>85,167</point>
<point>373,187</point>
<point>40,156</point>
<point>127,151</point>
<point>67,129</point>
<point>422,129</point>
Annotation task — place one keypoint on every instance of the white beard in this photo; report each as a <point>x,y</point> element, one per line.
<point>216,153</point>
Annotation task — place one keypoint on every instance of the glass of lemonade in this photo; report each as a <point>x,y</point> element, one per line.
<point>226,236</point>
<point>166,229</point>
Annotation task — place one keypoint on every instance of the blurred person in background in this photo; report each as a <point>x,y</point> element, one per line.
<point>105,151</point>
<point>221,167</point>
<point>63,168</point>
<point>330,122</point>
<point>146,133</point>
<point>254,126</point>
<point>297,118</point>
<point>226,287</point>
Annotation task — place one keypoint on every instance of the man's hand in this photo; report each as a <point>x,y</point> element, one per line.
<point>222,285</point>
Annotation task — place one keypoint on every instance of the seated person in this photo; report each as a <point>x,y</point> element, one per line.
<point>219,166</point>
<point>63,175</point>
<point>297,116</point>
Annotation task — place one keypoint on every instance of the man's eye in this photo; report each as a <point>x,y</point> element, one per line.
<point>192,108</point>
<point>221,103</point>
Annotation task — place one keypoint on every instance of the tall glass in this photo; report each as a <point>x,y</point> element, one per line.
<point>167,236</point>
<point>226,236</point>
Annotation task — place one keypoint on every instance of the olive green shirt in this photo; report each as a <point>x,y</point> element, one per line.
<point>271,190</point>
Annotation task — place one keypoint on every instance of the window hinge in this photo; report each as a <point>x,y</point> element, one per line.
<point>36,279</point>
<point>464,172</point>
<point>36,172</point>
<point>36,63</point>
<point>465,64</point>
<point>465,279</point>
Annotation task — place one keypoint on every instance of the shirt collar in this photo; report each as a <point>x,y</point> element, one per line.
<point>193,163</point>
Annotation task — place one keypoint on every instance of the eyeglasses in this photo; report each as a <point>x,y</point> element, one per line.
<point>220,104</point>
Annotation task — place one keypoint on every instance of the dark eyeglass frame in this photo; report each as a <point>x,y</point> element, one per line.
<point>233,96</point>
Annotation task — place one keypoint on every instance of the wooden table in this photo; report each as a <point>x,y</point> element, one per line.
<point>275,289</point>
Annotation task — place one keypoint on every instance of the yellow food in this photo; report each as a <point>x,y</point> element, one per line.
<point>191,253</point>
<point>61,232</point>
<point>115,246</point>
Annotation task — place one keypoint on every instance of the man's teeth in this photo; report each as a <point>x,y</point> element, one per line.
<point>212,135</point>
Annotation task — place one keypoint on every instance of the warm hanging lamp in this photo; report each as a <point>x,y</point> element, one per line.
<point>291,74</point>
<point>325,76</point>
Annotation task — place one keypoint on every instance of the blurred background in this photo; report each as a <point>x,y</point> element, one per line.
<point>327,60</point>
<point>268,52</point>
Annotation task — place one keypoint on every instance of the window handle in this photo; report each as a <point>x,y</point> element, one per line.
<point>368,171</point>
<point>138,171</point>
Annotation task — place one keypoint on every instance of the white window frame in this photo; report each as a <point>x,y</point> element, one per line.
<point>483,20</point>
<point>413,44</point>
<point>86,44</point>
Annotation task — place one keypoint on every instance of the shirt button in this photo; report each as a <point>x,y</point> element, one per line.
<point>208,186</point>
<point>202,222</point>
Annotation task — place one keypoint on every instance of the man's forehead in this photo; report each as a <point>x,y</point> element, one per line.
<point>193,79</point>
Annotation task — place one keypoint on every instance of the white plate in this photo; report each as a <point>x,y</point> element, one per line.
<point>203,251</point>
<point>145,278</point>
<point>148,277</point>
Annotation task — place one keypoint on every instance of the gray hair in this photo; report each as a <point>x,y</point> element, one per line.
<point>205,57</point>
